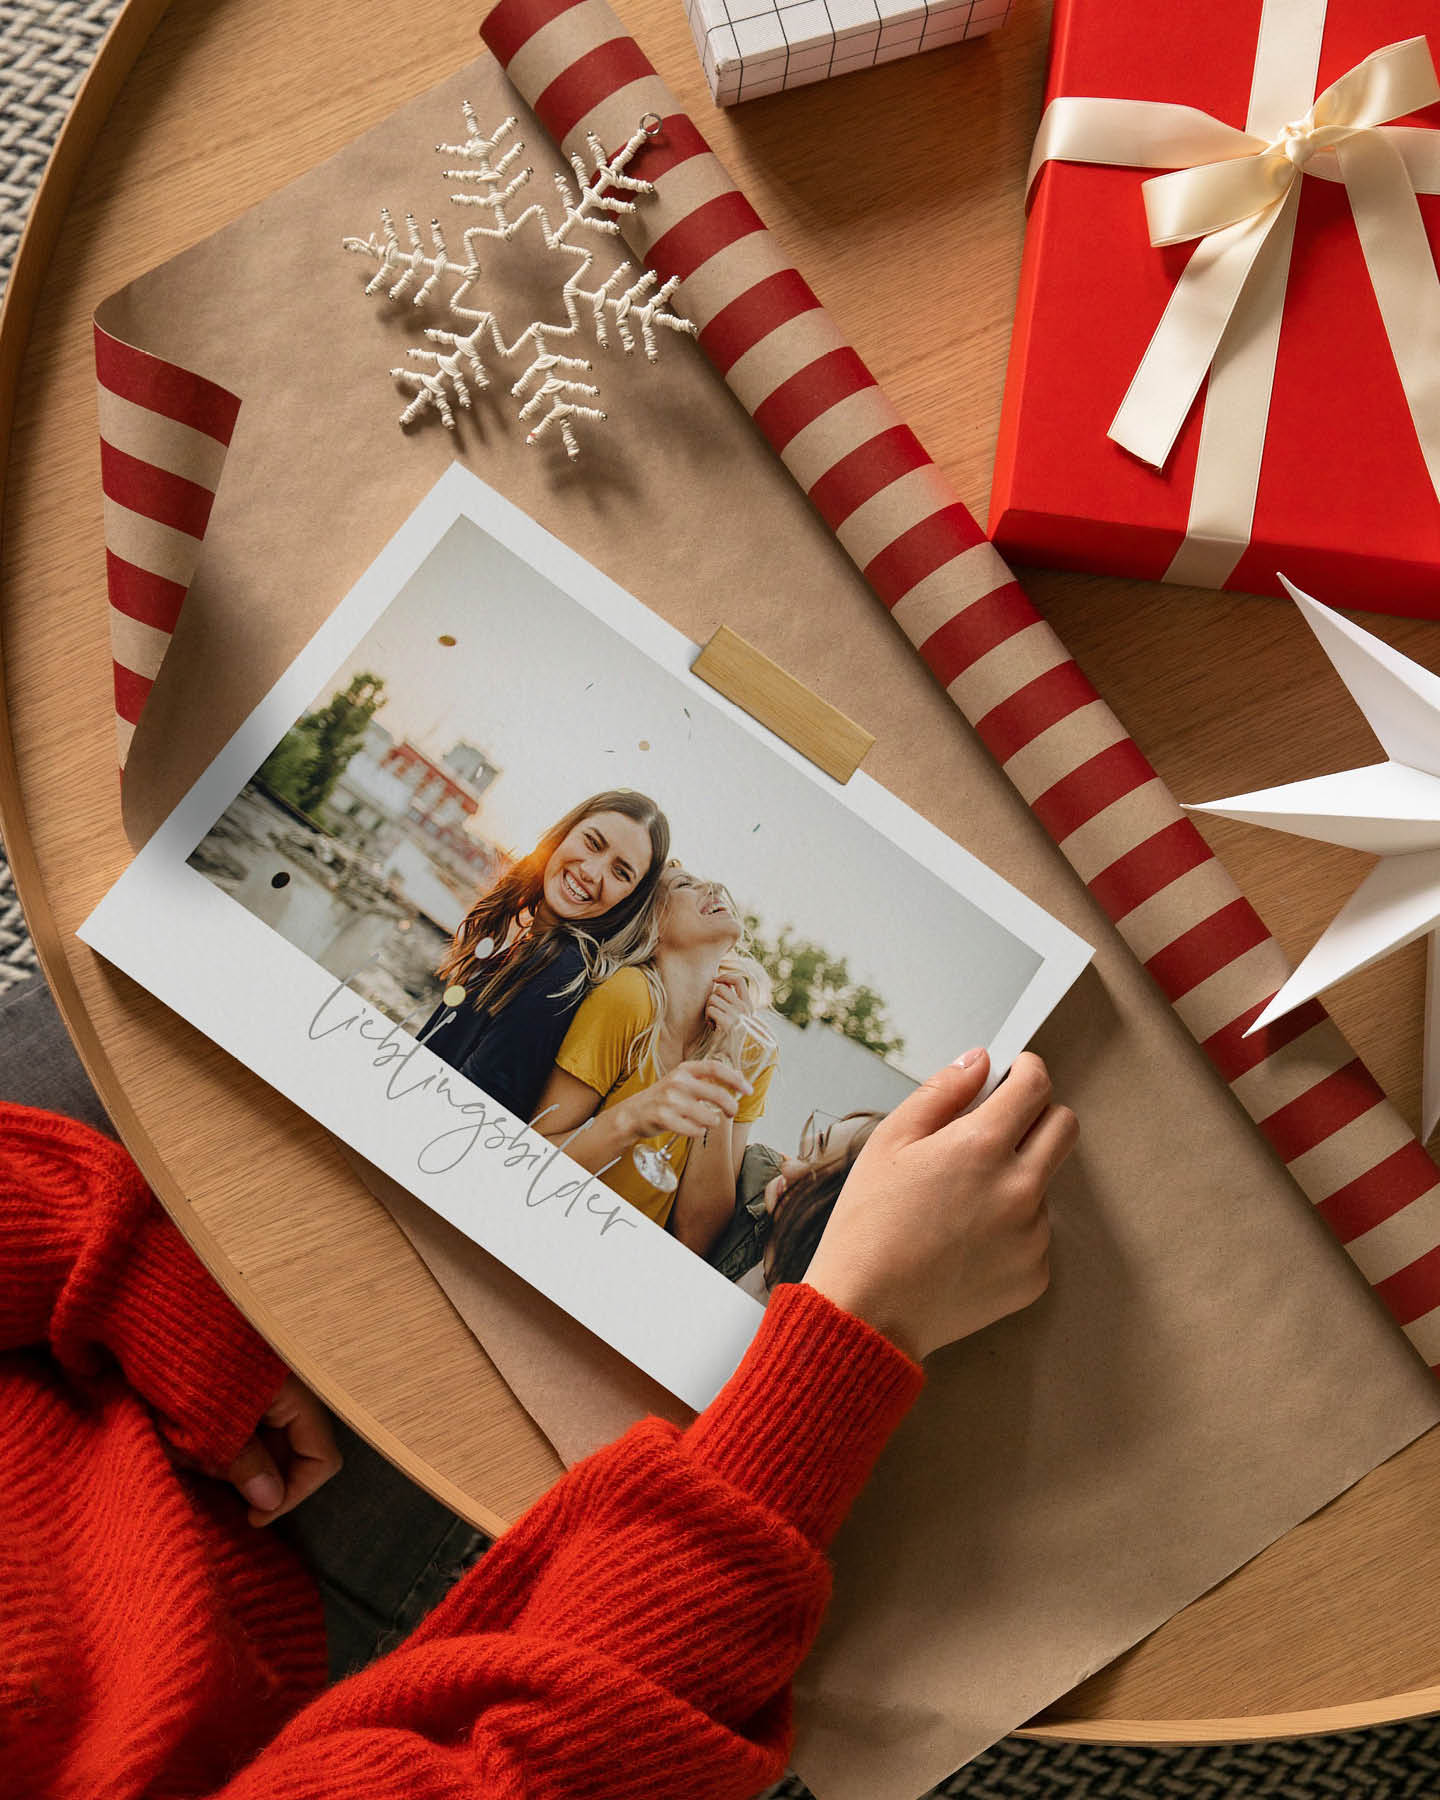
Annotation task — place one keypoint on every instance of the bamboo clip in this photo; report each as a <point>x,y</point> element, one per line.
<point>782,704</point>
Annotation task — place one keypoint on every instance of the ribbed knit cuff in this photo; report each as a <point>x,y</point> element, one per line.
<point>190,1351</point>
<point>799,1425</point>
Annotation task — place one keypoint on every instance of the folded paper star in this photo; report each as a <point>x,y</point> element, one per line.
<point>1391,809</point>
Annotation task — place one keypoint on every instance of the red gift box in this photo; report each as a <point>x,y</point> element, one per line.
<point>1344,505</point>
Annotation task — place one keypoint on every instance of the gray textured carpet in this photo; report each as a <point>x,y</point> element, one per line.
<point>44,51</point>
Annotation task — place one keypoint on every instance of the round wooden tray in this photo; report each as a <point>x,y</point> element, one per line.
<point>191,115</point>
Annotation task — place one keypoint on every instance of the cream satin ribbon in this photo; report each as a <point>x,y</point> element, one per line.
<point>1238,192</point>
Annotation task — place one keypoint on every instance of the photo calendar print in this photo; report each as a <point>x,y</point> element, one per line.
<point>596,966</point>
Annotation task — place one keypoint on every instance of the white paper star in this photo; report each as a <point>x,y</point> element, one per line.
<point>1391,809</point>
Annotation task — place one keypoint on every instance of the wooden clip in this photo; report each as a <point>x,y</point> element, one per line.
<point>782,704</point>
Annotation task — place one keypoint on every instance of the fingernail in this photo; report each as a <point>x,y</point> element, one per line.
<point>969,1059</point>
<point>264,1492</point>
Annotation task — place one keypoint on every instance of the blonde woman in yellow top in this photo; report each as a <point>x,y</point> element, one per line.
<point>647,1091</point>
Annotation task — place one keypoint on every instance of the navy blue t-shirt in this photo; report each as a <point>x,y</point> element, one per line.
<point>511,1055</point>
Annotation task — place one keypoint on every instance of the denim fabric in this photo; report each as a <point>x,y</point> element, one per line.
<point>383,1552</point>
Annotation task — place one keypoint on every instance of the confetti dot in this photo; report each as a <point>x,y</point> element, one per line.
<point>280,880</point>
<point>454,996</point>
<point>446,639</point>
<point>484,949</point>
<point>644,744</point>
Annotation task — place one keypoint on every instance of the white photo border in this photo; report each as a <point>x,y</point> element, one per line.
<point>264,1001</point>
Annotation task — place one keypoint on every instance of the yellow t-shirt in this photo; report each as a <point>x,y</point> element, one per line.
<point>597,1050</point>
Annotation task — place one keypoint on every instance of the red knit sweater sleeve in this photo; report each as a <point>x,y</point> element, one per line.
<point>637,1630</point>
<point>92,1270</point>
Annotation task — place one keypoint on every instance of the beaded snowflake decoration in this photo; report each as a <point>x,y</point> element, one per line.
<point>550,388</point>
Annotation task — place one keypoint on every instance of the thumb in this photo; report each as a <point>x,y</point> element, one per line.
<point>255,1474</point>
<point>941,1099</point>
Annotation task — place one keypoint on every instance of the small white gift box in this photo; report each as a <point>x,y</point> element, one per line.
<point>753,47</point>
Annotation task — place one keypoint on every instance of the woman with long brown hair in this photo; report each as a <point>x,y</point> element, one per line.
<point>563,918</point>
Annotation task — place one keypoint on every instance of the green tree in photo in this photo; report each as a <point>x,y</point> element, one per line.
<point>311,757</point>
<point>812,987</point>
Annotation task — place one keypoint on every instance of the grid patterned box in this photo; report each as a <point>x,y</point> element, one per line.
<point>753,47</point>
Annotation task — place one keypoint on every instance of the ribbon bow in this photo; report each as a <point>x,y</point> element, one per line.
<point>1236,191</point>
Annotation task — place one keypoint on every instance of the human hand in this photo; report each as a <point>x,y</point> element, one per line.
<point>725,1007</point>
<point>291,1455</point>
<point>687,1101</point>
<point>941,1227</point>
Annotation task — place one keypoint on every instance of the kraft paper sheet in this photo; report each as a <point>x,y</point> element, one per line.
<point>1207,1369</point>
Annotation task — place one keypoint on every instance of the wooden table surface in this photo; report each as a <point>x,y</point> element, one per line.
<point>898,193</point>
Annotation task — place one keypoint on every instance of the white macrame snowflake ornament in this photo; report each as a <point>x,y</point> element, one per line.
<point>549,388</point>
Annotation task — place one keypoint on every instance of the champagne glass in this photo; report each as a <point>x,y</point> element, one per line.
<point>752,1047</point>
<point>756,1048</point>
<point>654,1165</point>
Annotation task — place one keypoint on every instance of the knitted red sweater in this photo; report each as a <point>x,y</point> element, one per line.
<point>634,1633</point>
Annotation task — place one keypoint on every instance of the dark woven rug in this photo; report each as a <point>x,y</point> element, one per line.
<point>45,48</point>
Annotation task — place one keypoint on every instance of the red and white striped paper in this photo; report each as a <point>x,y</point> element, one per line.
<point>164,435</point>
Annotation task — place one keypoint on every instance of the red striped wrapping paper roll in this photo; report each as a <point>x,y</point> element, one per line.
<point>164,434</point>
<point>920,550</point>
